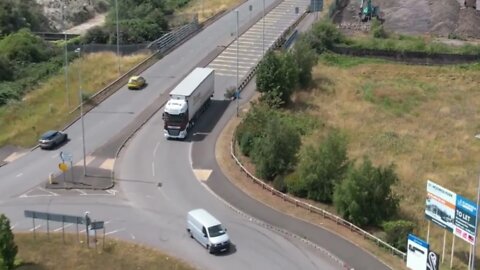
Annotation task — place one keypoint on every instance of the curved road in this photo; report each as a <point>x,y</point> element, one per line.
<point>154,215</point>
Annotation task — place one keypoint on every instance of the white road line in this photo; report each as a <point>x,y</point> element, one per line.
<point>35,196</point>
<point>18,175</point>
<point>54,156</point>
<point>52,193</point>
<point>153,168</point>
<point>80,191</point>
<point>36,227</point>
<point>155,149</point>
<point>132,236</point>
<point>115,231</point>
<point>66,226</point>
<point>13,226</point>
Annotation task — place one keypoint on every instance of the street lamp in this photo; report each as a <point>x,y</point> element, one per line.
<point>476,218</point>
<point>66,56</point>
<point>118,37</point>
<point>263,35</point>
<point>80,93</point>
<point>237,93</point>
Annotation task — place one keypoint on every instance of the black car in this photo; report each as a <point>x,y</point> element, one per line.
<point>52,138</point>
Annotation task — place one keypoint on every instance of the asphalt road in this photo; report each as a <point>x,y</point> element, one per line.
<point>144,211</point>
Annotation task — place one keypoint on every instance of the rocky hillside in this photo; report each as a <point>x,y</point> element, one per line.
<point>438,17</point>
<point>76,11</point>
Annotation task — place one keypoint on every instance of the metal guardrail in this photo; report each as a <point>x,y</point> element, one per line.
<point>314,209</point>
<point>50,36</point>
<point>169,40</point>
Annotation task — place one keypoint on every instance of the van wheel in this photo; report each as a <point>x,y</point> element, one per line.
<point>209,250</point>
<point>190,233</point>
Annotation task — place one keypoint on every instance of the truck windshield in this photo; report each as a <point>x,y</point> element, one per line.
<point>175,118</point>
<point>216,230</point>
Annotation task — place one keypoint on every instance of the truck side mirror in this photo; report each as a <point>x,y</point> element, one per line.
<point>163,116</point>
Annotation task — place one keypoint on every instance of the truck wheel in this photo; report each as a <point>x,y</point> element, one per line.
<point>190,233</point>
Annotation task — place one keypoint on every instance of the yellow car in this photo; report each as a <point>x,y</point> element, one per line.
<point>136,82</point>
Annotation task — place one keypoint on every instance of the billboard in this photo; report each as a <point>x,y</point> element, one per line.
<point>417,253</point>
<point>465,215</point>
<point>433,262</point>
<point>451,211</point>
<point>440,206</point>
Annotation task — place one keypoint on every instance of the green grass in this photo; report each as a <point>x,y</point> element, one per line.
<point>44,253</point>
<point>403,43</point>
<point>45,107</point>
<point>343,61</point>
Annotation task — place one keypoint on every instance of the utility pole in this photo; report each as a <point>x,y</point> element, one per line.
<point>118,38</point>
<point>238,92</point>
<point>80,93</point>
<point>66,56</point>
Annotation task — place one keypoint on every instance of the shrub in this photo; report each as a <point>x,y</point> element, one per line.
<point>8,248</point>
<point>25,47</point>
<point>279,183</point>
<point>96,34</point>
<point>397,232</point>
<point>378,30</point>
<point>365,196</point>
<point>295,186</point>
<point>324,35</point>
<point>9,91</point>
<point>6,69</point>
<point>252,126</point>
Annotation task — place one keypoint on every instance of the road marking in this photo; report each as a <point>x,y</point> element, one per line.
<point>115,231</point>
<point>13,226</point>
<point>133,236</point>
<point>202,175</point>
<point>153,168</point>
<point>155,150</point>
<point>108,164</point>
<point>14,156</point>
<point>36,227</point>
<point>53,193</point>
<point>18,175</point>
<point>112,192</point>
<point>87,161</point>
<point>66,226</point>
<point>80,191</point>
<point>54,156</point>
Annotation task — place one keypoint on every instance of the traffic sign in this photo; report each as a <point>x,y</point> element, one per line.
<point>63,166</point>
<point>65,156</point>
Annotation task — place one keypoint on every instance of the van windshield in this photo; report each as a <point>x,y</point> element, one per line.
<point>216,230</point>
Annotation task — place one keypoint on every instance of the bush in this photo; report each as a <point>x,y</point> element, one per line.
<point>295,186</point>
<point>18,14</point>
<point>252,126</point>
<point>25,47</point>
<point>324,35</point>
<point>8,248</point>
<point>377,29</point>
<point>305,59</point>
<point>9,91</point>
<point>279,183</point>
<point>6,69</point>
<point>397,233</point>
<point>365,196</point>
<point>96,34</point>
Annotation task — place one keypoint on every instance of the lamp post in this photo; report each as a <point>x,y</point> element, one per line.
<point>80,93</point>
<point>118,37</point>
<point>476,218</point>
<point>237,92</point>
<point>66,56</point>
<point>263,31</point>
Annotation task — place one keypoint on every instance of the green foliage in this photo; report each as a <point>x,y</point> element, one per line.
<point>18,14</point>
<point>377,29</point>
<point>343,61</point>
<point>397,232</point>
<point>295,186</point>
<point>274,153</point>
<point>6,69</point>
<point>279,183</point>
<point>25,47</point>
<point>8,248</point>
<point>277,78</point>
<point>323,167</point>
<point>305,59</point>
<point>253,126</point>
<point>9,91</point>
<point>96,34</point>
<point>365,196</point>
<point>324,35</point>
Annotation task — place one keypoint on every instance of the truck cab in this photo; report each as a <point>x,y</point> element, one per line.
<point>176,119</point>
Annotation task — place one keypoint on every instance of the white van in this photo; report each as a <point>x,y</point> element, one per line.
<point>207,230</point>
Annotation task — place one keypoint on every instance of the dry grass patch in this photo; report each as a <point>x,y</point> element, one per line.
<point>46,107</point>
<point>54,254</point>
<point>208,8</point>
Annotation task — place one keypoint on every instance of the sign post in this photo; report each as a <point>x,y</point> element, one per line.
<point>67,157</point>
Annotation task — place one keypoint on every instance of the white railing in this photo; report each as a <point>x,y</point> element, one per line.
<point>314,209</point>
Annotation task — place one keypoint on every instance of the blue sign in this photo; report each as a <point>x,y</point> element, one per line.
<point>465,215</point>
<point>418,240</point>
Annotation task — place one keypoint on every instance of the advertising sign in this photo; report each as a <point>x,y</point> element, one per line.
<point>440,206</point>
<point>465,215</point>
<point>417,253</point>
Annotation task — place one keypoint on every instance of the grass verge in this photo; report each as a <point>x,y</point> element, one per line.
<point>208,8</point>
<point>44,253</point>
<point>421,118</point>
<point>47,106</point>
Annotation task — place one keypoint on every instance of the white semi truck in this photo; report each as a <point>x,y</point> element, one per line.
<point>187,101</point>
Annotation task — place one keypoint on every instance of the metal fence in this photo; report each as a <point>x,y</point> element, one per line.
<point>170,39</point>
<point>123,49</point>
<point>314,209</point>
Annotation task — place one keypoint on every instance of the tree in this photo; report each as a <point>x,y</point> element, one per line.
<point>305,59</point>
<point>277,77</point>
<point>324,35</point>
<point>322,168</point>
<point>8,248</point>
<point>274,153</point>
<point>253,126</point>
<point>6,71</point>
<point>23,46</point>
<point>397,232</point>
<point>365,196</point>
<point>18,14</point>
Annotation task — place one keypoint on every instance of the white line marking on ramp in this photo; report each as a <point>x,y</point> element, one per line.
<point>132,236</point>
<point>153,168</point>
<point>80,191</point>
<point>52,193</point>
<point>36,227</point>
<point>66,226</point>
<point>202,175</point>
<point>13,157</point>
<point>18,175</point>
<point>155,150</point>
<point>108,164</point>
<point>115,231</point>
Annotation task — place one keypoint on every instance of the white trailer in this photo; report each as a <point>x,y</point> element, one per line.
<point>187,101</point>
